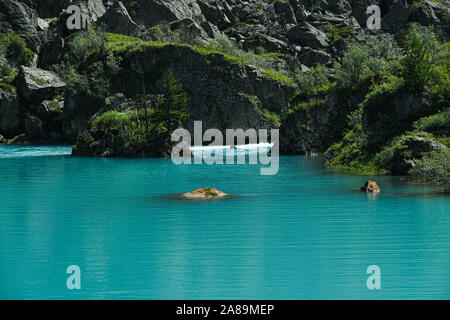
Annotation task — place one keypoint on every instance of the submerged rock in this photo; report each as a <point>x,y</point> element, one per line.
<point>370,186</point>
<point>204,194</point>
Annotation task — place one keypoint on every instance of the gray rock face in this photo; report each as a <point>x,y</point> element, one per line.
<point>429,13</point>
<point>92,10</point>
<point>17,17</point>
<point>302,132</point>
<point>419,145</point>
<point>189,30</point>
<point>153,12</point>
<point>117,20</point>
<point>285,14</point>
<point>305,35</point>
<point>47,8</point>
<point>33,127</point>
<point>397,16</point>
<point>400,107</point>
<point>313,128</point>
<point>310,57</point>
<point>270,44</point>
<point>37,85</point>
<point>10,113</point>
<point>222,92</point>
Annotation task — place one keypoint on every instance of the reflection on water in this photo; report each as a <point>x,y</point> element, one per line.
<point>305,233</point>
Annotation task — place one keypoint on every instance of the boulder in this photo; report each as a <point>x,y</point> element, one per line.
<point>211,30</point>
<point>270,44</point>
<point>414,148</point>
<point>217,14</point>
<point>37,85</point>
<point>311,57</point>
<point>305,35</point>
<point>189,30</point>
<point>117,20</point>
<point>285,14</point>
<point>10,114</point>
<point>429,13</point>
<point>370,186</point>
<point>204,194</point>
<point>154,12</point>
<point>92,10</point>
<point>419,145</point>
<point>2,140</point>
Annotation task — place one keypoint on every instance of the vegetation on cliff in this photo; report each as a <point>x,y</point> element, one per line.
<point>144,131</point>
<point>405,102</point>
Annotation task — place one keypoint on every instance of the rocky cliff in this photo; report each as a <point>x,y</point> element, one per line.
<point>241,64</point>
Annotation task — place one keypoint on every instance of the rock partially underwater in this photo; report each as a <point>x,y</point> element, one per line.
<point>204,194</point>
<point>370,186</point>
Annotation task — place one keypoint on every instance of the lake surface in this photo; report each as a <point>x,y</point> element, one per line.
<point>305,233</point>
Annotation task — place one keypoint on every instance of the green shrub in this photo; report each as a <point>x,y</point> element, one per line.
<point>417,63</point>
<point>397,148</point>
<point>163,33</point>
<point>439,122</point>
<point>225,45</point>
<point>376,56</point>
<point>110,120</point>
<point>433,167</point>
<point>385,90</point>
<point>5,69</point>
<point>86,43</point>
<point>83,142</point>
<point>90,87</point>
<point>145,129</point>
<point>308,81</point>
<point>14,48</point>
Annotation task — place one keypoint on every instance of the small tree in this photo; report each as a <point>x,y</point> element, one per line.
<point>173,109</point>
<point>417,67</point>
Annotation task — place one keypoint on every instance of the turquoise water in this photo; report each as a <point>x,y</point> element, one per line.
<point>306,233</point>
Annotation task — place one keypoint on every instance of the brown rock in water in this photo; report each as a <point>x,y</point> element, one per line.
<point>204,193</point>
<point>370,186</point>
